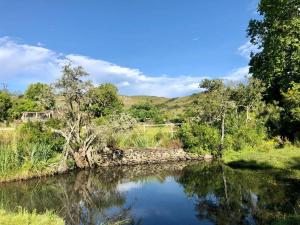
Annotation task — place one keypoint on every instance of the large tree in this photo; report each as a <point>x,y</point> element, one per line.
<point>277,35</point>
<point>84,140</point>
<point>277,63</point>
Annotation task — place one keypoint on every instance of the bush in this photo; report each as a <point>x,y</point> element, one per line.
<point>200,138</point>
<point>36,143</point>
<point>247,136</point>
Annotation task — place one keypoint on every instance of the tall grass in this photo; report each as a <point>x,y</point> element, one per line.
<point>149,137</point>
<point>23,217</point>
<point>9,159</point>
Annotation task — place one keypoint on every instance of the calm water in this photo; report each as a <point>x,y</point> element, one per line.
<point>202,193</point>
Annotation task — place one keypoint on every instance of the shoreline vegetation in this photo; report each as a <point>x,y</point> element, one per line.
<point>22,217</point>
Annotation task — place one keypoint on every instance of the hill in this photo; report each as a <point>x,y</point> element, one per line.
<point>173,105</point>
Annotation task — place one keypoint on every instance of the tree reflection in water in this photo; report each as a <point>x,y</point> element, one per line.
<point>228,197</point>
<point>215,193</point>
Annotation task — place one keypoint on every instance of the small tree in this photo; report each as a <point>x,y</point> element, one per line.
<point>215,105</point>
<point>144,112</point>
<point>42,94</point>
<point>248,97</point>
<point>104,100</point>
<point>5,105</point>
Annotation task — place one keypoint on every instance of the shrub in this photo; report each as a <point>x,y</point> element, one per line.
<point>247,136</point>
<point>36,143</point>
<point>200,138</point>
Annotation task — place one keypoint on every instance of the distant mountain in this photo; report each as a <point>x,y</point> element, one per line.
<point>174,105</point>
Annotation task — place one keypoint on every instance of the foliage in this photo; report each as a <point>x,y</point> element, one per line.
<point>5,105</point>
<point>21,105</point>
<point>277,63</point>
<point>84,139</point>
<point>291,100</point>
<point>104,100</point>
<point>227,113</point>
<point>200,138</point>
<point>150,137</point>
<point>41,94</point>
<point>36,133</point>
<point>9,159</point>
<point>145,112</point>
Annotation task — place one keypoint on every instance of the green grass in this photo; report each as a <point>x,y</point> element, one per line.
<point>25,218</point>
<point>149,137</point>
<point>287,158</point>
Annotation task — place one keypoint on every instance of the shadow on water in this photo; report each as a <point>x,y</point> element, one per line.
<point>197,193</point>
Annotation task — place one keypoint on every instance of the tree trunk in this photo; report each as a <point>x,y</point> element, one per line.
<point>223,129</point>
<point>247,114</point>
<point>80,159</point>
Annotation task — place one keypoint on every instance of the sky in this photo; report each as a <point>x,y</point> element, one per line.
<point>144,47</point>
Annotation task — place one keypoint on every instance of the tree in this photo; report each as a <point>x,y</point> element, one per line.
<point>5,105</point>
<point>84,141</point>
<point>214,107</point>
<point>104,100</point>
<point>277,36</point>
<point>42,94</point>
<point>248,97</point>
<point>277,63</point>
<point>144,112</point>
<point>292,106</point>
<point>20,105</point>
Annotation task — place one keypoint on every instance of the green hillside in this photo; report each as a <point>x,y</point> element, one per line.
<point>174,105</point>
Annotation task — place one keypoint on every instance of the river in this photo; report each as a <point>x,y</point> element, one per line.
<point>181,193</point>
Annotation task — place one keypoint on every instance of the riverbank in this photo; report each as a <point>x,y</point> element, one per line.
<point>25,218</point>
<point>126,157</point>
<point>287,158</point>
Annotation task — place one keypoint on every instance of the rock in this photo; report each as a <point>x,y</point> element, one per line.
<point>208,157</point>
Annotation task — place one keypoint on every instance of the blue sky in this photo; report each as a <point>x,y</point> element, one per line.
<point>151,47</point>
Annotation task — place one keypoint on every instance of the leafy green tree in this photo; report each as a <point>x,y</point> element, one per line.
<point>277,63</point>
<point>215,106</point>
<point>248,97</point>
<point>277,36</point>
<point>20,105</point>
<point>145,112</point>
<point>292,106</point>
<point>5,105</point>
<point>104,100</point>
<point>42,94</point>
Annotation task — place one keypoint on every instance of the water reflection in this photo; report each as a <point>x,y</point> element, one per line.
<point>199,193</point>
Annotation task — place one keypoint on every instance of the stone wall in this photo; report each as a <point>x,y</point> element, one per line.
<point>150,156</point>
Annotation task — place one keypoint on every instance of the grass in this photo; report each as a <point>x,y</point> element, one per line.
<point>149,137</point>
<point>25,218</point>
<point>287,158</point>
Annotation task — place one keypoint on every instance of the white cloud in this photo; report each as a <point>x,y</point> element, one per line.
<point>246,49</point>
<point>240,74</point>
<point>21,64</point>
<point>125,187</point>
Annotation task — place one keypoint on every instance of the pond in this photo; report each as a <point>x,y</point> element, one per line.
<point>194,193</point>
